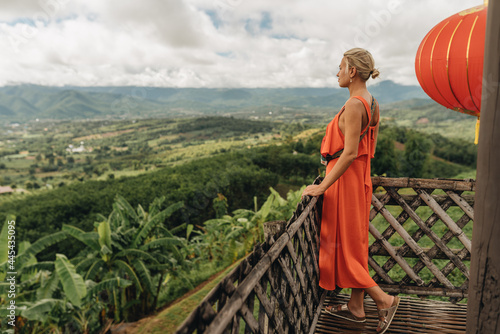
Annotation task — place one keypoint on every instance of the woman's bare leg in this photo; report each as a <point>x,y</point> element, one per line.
<point>382,299</point>
<point>356,302</point>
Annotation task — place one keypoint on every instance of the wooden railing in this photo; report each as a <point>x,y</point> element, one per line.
<point>275,289</point>
<point>450,208</point>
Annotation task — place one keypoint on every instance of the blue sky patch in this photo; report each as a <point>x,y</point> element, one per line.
<point>214,17</point>
<point>287,36</point>
<point>254,27</point>
<point>228,54</point>
<point>45,19</point>
<point>22,20</point>
<point>266,22</point>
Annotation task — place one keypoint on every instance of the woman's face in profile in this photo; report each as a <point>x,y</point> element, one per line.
<point>343,74</point>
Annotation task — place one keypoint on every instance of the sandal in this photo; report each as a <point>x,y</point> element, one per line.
<point>342,311</point>
<point>386,315</point>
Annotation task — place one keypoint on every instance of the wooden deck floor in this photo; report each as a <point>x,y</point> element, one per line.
<point>414,316</point>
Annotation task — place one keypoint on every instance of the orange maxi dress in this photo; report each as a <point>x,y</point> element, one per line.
<point>343,253</point>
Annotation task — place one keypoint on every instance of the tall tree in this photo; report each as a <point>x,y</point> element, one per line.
<point>385,161</point>
<point>416,153</point>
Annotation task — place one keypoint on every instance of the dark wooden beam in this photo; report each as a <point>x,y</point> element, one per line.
<point>406,182</point>
<point>483,309</point>
<point>411,254</point>
<point>469,199</point>
<point>424,290</point>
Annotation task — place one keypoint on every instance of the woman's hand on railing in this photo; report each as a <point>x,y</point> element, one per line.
<point>313,190</point>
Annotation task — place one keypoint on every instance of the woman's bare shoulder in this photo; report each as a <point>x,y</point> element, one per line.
<point>354,105</point>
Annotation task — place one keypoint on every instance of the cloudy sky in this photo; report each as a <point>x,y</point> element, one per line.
<point>210,43</point>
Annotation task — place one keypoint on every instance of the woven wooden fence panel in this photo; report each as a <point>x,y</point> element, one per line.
<point>274,290</point>
<point>424,228</point>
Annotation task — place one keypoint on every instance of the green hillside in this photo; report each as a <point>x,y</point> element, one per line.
<point>429,118</point>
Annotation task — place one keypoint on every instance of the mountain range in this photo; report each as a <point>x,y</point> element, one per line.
<point>28,102</point>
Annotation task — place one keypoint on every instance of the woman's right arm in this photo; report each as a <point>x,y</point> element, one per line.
<point>353,115</point>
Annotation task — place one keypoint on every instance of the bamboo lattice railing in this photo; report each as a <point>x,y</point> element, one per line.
<point>275,289</point>
<point>437,227</point>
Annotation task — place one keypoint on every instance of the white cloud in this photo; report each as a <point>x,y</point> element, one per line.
<point>210,43</point>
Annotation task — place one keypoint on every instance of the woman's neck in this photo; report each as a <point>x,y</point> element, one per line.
<point>357,87</point>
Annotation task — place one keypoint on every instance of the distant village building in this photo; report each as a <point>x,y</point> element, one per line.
<point>79,149</point>
<point>423,120</point>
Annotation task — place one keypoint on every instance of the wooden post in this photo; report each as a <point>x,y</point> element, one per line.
<point>483,308</point>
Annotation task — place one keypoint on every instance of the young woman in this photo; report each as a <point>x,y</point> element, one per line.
<point>347,148</point>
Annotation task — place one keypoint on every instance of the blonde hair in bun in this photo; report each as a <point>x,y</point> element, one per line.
<point>363,61</point>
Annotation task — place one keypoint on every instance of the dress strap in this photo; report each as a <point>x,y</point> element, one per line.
<point>370,115</point>
<point>367,108</point>
<point>325,159</point>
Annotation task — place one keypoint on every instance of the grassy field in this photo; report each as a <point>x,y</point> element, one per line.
<point>54,154</point>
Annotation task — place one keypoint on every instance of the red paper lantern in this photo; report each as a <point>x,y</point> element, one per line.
<point>449,61</point>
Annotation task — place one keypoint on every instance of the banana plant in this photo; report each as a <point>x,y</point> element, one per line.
<point>38,282</point>
<point>133,245</point>
<point>65,303</point>
<point>231,237</point>
<point>24,264</point>
<point>68,281</point>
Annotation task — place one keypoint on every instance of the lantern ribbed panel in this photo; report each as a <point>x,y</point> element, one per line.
<point>449,61</point>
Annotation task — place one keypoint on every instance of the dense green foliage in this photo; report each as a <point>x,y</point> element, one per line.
<point>224,126</point>
<point>132,244</point>
<point>195,183</point>
<point>116,276</point>
<point>416,154</point>
<point>422,155</point>
<point>130,263</point>
<point>458,151</point>
<point>386,158</point>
